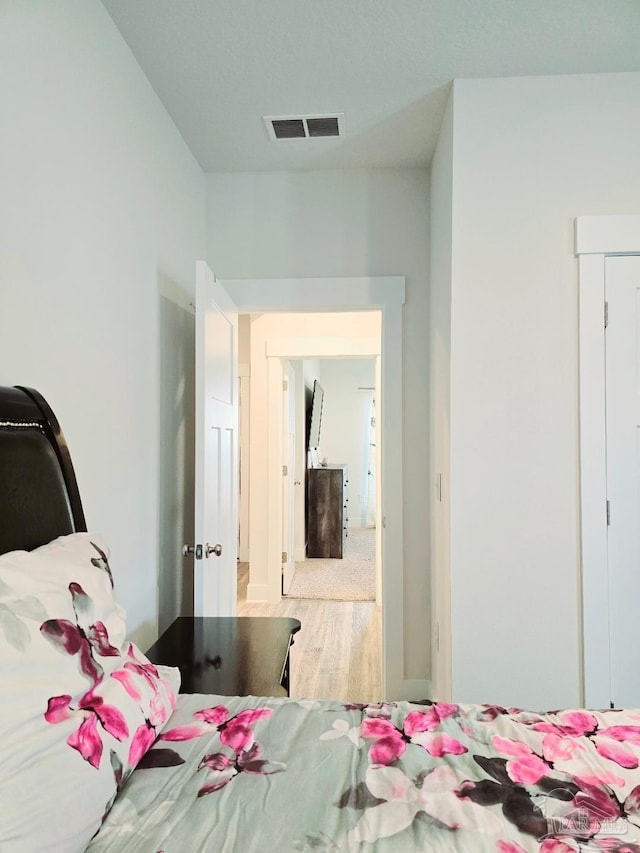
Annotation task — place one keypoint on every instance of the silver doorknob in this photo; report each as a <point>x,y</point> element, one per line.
<point>196,550</point>
<point>212,549</point>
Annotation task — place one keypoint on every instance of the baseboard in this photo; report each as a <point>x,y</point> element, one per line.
<point>300,555</point>
<point>415,689</point>
<point>258,592</point>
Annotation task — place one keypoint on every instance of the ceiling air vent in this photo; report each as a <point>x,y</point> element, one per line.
<point>304,127</point>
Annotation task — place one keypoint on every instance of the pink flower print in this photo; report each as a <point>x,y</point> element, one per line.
<point>626,734</point>
<point>376,727</point>
<point>93,710</point>
<point>226,768</point>
<point>527,768</point>
<point>237,736</point>
<point>213,716</point>
<point>555,845</point>
<point>441,744</point>
<point>615,751</point>
<point>75,640</point>
<point>632,804</point>
<point>135,671</point>
<point>579,722</point>
<point>387,749</point>
<point>142,682</point>
<point>389,744</point>
<point>87,741</point>
<point>421,721</point>
<point>58,709</point>
<point>186,732</point>
<point>237,732</point>
<point>527,771</point>
<point>251,716</point>
<point>509,847</point>
<point>598,800</point>
<point>446,709</point>
<point>208,720</point>
<point>141,742</point>
<point>429,720</point>
<point>571,724</point>
<point>557,748</point>
<point>234,732</point>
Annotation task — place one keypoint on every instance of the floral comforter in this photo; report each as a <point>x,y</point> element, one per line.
<point>251,774</point>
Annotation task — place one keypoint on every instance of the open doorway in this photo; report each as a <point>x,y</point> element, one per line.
<point>324,668</point>
<point>336,450</point>
<point>340,294</point>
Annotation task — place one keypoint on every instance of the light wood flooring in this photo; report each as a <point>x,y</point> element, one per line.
<point>337,653</point>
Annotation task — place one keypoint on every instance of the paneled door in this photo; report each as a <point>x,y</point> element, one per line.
<point>622,294</point>
<point>216,475</point>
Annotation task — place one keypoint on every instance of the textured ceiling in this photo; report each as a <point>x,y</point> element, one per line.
<point>219,66</point>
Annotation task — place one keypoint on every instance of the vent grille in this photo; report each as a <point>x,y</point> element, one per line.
<point>288,128</point>
<point>305,127</point>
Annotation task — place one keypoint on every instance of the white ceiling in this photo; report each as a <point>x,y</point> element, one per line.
<point>219,66</point>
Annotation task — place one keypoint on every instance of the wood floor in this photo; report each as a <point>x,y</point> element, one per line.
<point>336,654</point>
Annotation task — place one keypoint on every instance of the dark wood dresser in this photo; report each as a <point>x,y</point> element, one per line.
<point>327,511</point>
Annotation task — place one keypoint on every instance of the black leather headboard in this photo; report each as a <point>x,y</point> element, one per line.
<point>39,497</point>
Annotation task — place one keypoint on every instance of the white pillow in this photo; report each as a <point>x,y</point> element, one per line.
<point>79,706</point>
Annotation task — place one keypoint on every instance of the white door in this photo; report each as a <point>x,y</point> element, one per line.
<point>288,480</point>
<point>622,293</point>
<point>216,475</point>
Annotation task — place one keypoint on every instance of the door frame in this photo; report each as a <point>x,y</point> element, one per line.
<point>287,395</point>
<point>386,293</point>
<point>596,237</point>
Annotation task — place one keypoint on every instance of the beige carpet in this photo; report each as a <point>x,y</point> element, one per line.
<point>351,579</point>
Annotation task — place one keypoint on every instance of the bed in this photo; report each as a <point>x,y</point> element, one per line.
<point>99,752</point>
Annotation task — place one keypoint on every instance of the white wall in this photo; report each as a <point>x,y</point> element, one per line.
<point>101,220</point>
<point>529,154</point>
<point>334,224</point>
<point>344,435</point>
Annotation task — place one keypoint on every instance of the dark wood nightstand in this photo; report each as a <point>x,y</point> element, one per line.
<point>229,656</point>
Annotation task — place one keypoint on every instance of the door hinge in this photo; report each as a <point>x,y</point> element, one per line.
<point>608,514</point>
<point>285,470</point>
<point>284,385</point>
<point>606,314</point>
<point>285,558</point>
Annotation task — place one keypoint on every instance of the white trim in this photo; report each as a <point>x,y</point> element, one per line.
<point>338,294</point>
<point>596,237</point>
<point>256,295</point>
<point>258,591</point>
<point>323,347</point>
<point>244,378</point>
<point>593,483</point>
<point>607,235</point>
